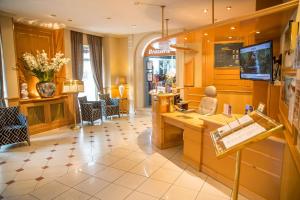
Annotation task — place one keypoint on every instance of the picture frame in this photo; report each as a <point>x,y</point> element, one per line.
<point>149,65</point>
<point>149,77</point>
<point>226,54</point>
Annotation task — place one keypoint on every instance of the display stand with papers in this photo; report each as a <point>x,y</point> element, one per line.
<point>236,135</point>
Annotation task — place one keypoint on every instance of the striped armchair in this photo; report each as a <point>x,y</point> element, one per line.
<point>110,106</point>
<point>13,126</point>
<point>90,110</point>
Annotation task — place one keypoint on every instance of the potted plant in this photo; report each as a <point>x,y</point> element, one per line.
<point>40,67</point>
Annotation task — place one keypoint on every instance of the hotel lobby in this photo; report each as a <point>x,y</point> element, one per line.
<point>149,100</point>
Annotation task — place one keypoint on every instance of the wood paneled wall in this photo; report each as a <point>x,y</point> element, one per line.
<point>30,39</point>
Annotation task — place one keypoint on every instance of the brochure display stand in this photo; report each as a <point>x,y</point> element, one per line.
<point>236,135</point>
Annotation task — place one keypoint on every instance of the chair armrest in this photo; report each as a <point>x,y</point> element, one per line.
<point>22,120</point>
<point>103,103</point>
<point>115,101</point>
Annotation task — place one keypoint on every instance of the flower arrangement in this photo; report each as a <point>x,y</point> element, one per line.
<point>170,77</point>
<point>40,66</point>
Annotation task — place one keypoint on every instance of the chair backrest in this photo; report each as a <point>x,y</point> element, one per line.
<point>209,103</point>
<point>82,100</point>
<point>9,116</point>
<point>106,98</point>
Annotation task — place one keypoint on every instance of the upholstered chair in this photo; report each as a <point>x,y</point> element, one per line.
<point>13,126</point>
<point>209,103</point>
<point>90,110</point>
<point>110,106</point>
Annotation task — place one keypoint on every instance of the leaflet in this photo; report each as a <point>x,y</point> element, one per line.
<point>242,135</point>
<point>232,125</point>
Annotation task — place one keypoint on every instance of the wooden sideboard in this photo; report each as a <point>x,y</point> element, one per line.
<point>44,114</point>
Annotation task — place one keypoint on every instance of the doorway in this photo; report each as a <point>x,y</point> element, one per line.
<point>157,70</point>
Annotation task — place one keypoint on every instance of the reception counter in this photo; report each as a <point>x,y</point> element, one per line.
<point>261,162</point>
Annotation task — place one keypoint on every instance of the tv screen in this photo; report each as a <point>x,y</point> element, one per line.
<point>256,62</point>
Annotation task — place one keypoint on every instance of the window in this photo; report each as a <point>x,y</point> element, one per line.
<point>90,90</point>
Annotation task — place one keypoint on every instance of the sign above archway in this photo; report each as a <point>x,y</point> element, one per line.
<point>151,51</point>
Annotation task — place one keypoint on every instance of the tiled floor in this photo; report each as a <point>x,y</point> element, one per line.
<point>111,161</point>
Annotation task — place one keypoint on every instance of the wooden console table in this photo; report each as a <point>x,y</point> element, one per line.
<point>44,114</point>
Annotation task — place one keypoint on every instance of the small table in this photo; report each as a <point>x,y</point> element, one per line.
<point>123,105</point>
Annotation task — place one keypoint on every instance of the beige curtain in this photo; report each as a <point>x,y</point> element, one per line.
<point>2,101</point>
<point>77,62</point>
<point>95,44</point>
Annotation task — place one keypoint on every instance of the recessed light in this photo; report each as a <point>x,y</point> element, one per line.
<point>232,28</point>
<point>53,15</point>
<point>205,10</point>
<point>69,20</point>
<point>257,32</point>
<point>185,38</point>
<point>205,34</point>
<point>228,7</point>
<point>229,37</point>
<point>108,18</point>
<point>133,26</point>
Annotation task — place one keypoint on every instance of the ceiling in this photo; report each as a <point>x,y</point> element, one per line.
<point>124,16</point>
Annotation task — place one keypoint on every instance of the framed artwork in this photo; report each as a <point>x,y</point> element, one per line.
<point>288,91</point>
<point>297,54</point>
<point>227,54</point>
<point>149,65</point>
<point>149,77</point>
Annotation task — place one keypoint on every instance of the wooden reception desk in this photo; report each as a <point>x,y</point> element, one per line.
<point>261,162</point>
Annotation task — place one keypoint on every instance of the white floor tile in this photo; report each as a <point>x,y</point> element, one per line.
<point>190,181</point>
<point>113,192</point>
<point>153,187</point>
<point>73,195</point>
<point>130,180</point>
<point>179,193</point>
<point>140,196</point>
<point>109,174</point>
<point>19,188</point>
<point>124,164</point>
<point>92,185</point>
<point>73,178</point>
<point>50,190</point>
<point>165,175</point>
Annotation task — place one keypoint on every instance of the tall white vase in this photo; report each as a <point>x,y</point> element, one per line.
<point>121,90</point>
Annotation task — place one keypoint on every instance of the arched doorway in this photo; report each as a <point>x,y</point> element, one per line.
<point>159,67</point>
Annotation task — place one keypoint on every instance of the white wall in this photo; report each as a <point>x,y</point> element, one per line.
<point>9,57</point>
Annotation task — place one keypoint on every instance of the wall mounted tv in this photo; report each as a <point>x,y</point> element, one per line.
<point>256,62</point>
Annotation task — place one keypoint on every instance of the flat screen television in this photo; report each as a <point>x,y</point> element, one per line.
<point>256,62</point>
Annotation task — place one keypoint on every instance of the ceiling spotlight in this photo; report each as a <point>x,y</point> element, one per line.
<point>108,18</point>
<point>232,28</point>
<point>228,7</point>
<point>230,37</point>
<point>205,34</point>
<point>53,15</point>
<point>257,32</point>
<point>205,10</point>
<point>185,38</point>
